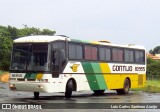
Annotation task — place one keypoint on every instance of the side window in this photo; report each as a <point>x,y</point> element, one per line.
<point>90,53</point>
<point>94,53</point>
<point>79,52</point>
<point>72,51</point>
<point>75,51</point>
<point>105,54</point>
<point>58,57</point>
<point>142,57</point>
<point>129,56</point>
<point>139,56</point>
<point>117,54</point>
<point>59,45</point>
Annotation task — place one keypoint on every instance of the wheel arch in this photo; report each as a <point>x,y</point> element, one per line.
<point>129,81</point>
<point>74,84</point>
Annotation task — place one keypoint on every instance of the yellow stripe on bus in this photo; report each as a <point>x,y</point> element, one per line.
<point>105,71</point>
<point>39,76</point>
<point>95,42</point>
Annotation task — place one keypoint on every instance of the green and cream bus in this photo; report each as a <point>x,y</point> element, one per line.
<point>61,64</point>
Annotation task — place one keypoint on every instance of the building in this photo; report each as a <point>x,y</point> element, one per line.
<point>155,57</point>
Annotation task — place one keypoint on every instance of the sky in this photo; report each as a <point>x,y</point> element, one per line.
<point>118,21</point>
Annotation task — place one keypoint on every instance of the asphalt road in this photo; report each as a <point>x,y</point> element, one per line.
<point>87,97</point>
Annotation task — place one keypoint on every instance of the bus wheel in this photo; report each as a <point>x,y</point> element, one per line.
<point>69,89</point>
<point>126,87</point>
<point>36,95</point>
<point>98,92</point>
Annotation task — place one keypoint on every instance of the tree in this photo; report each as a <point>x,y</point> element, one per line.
<point>153,68</point>
<point>13,32</point>
<point>150,61</point>
<point>27,31</point>
<point>8,34</point>
<point>5,48</point>
<point>156,50</point>
<point>47,32</point>
<point>151,51</point>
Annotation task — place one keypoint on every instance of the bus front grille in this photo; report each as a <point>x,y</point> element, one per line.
<point>20,79</point>
<point>31,79</point>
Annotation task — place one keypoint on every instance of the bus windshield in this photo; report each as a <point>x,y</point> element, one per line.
<point>31,57</point>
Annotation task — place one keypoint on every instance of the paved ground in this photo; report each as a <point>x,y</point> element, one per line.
<point>87,97</point>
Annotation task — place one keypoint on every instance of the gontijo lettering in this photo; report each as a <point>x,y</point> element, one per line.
<point>121,68</point>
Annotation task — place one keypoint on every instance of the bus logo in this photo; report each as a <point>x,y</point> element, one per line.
<point>74,67</point>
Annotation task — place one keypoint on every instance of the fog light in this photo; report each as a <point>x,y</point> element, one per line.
<point>12,87</point>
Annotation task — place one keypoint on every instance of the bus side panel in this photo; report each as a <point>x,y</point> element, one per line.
<point>75,70</point>
<point>94,75</point>
<point>105,71</point>
<point>115,79</point>
<point>100,76</point>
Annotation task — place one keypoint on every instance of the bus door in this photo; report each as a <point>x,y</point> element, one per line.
<point>55,64</point>
<point>58,64</point>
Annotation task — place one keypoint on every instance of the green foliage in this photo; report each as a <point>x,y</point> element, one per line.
<point>150,60</point>
<point>34,31</point>
<point>5,48</point>
<point>156,50</point>
<point>151,51</point>
<point>151,86</point>
<point>8,34</point>
<point>1,72</point>
<point>153,68</point>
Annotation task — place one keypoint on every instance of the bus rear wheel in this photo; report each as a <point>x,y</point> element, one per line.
<point>69,89</point>
<point>98,92</point>
<point>36,95</point>
<point>126,87</point>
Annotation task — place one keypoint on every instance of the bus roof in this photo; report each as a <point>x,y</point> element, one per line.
<point>47,39</point>
<point>38,38</point>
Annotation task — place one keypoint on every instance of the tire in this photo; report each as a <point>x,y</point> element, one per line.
<point>36,95</point>
<point>126,87</point>
<point>69,89</point>
<point>98,92</point>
